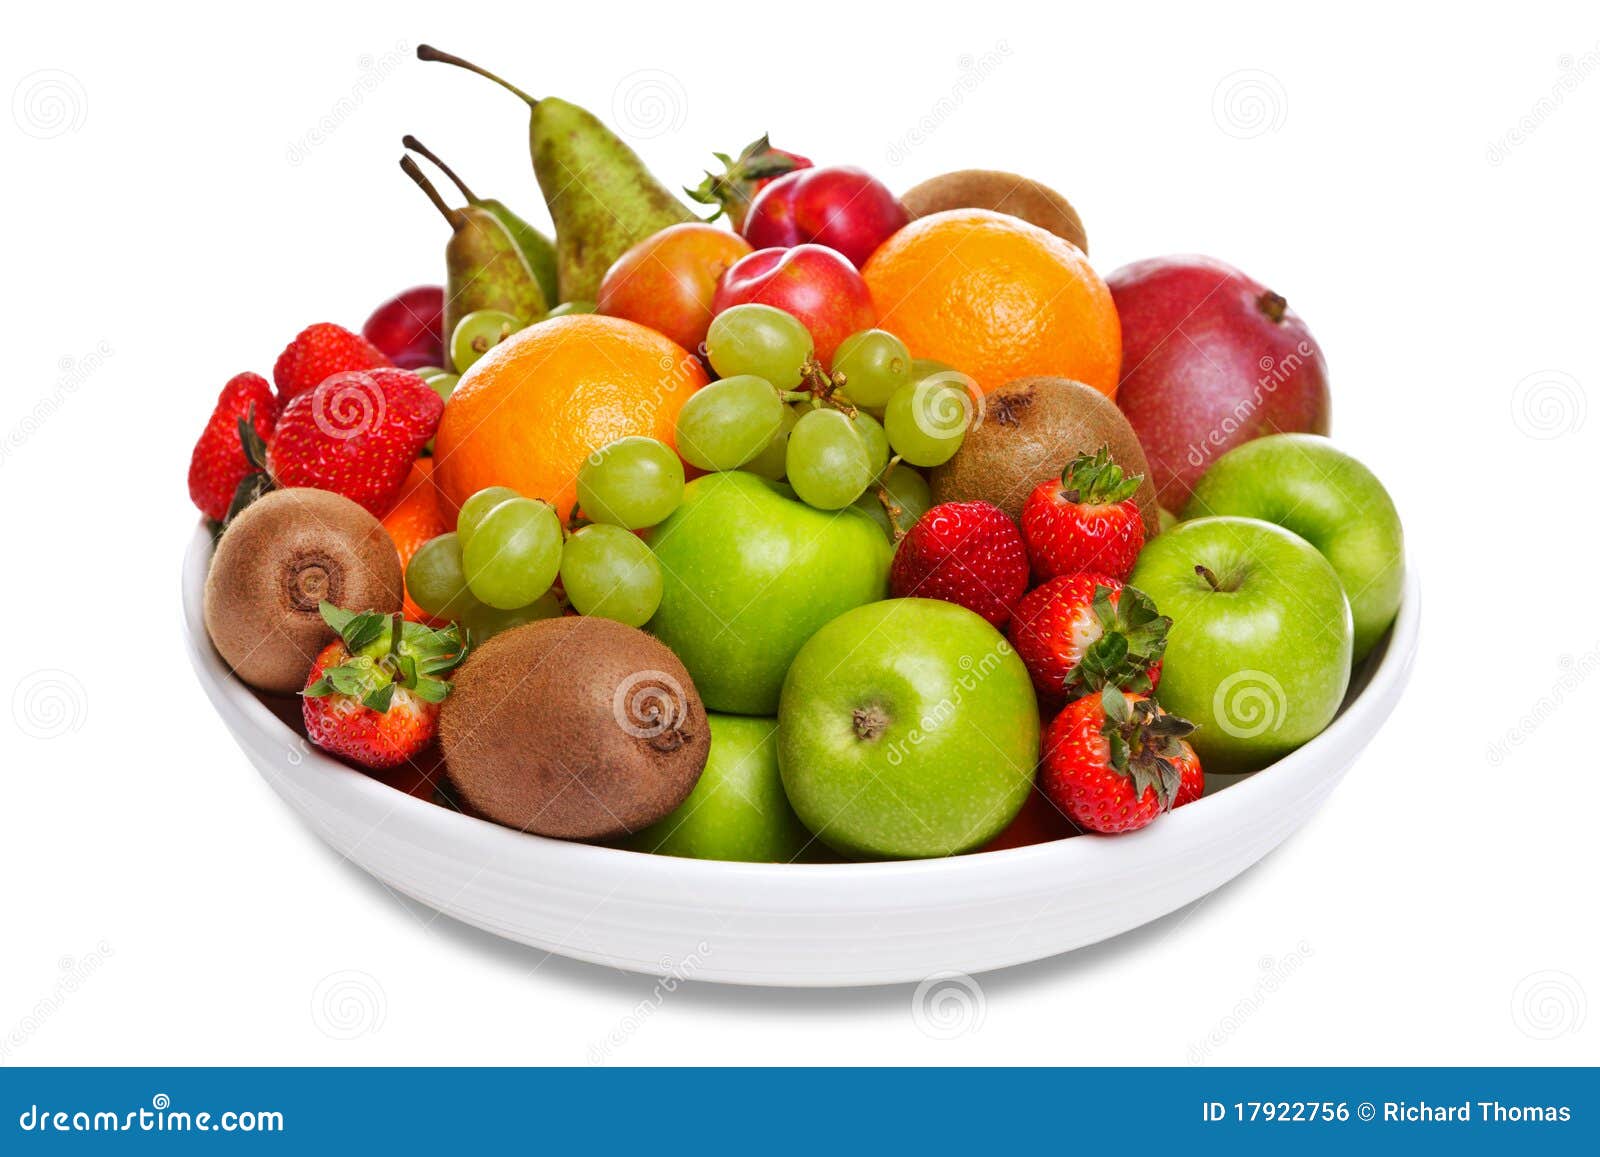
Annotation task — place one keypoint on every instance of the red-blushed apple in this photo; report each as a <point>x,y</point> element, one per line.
<point>409,327</point>
<point>1210,359</point>
<point>667,281</point>
<point>842,207</point>
<point>811,282</point>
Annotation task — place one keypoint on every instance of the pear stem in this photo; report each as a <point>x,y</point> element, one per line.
<point>454,216</point>
<point>429,52</point>
<point>423,150</point>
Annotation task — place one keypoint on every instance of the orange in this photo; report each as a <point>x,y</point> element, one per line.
<point>529,412</point>
<point>997,298</point>
<point>416,518</point>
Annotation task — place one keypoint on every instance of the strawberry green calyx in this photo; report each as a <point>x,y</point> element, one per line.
<point>1133,637</point>
<point>1145,743</point>
<point>732,189</point>
<point>258,482</point>
<point>1095,480</point>
<point>387,652</point>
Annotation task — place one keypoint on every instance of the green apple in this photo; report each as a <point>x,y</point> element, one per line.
<point>737,810</point>
<point>1302,483</point>
<point>907,728</point>
<point>1258,654</point>
<point>748,575</point>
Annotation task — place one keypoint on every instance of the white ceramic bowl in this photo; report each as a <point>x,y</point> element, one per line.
<point>796,924</point>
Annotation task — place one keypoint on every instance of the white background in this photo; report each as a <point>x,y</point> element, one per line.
<point>174,213</point>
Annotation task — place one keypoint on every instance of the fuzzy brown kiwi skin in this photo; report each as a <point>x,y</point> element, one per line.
<point>274,564</point>
<point>1031,429</point>
<point>1003,193</point>
<point>579,728</point>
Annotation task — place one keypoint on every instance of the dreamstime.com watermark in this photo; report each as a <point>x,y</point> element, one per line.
<point>1274,372</point>
<point>973,71</point>
<point>74,372</point>
<point>158,1117</point>
<point>948,1005</point>
<point>1549,1004</point>
<point>1249,103</point>
<point>75,972</point>
<point>649,103</point>
<point>1575,672</point>
<point>1572,72</point>
<point>672,975</point>
<point>49,103</point>
<point>374,70</point>
<point>973,673</point>
<point>1274,973</point>
<point>349,1004</point>
<point>1549,404</point>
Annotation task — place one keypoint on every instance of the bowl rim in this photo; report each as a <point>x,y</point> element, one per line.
<point>1301,772</point>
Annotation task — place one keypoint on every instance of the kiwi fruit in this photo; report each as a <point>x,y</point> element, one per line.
<point>1003,193</point>
<point>1031,429</point>
<point>276,562</point>
<point>579,727</point>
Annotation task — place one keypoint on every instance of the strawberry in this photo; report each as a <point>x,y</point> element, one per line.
<point>1086,521</point>
<point>373,694</point>
<point>756,167</point>
<point>320,350</point>
<point>355,434</point>
<point>1114,761</point>
<point>219,463</point>
<point>1193,785</point>
<point>1079,633</point>
<point>963,552</point>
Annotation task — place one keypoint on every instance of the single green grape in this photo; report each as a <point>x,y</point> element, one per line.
<point>907,490</point>
<point>435,580</point>
<point>634,482</point>
<point>426,372</point>
<point>724,425</point>
<point>514,553</point>
<point>761,340</point>
<point>770,462</point>
<point>827,463</point>
<point>924,368</point>
<point>875,364</point>
<point>485,621</point>
<point>874,439</point>
<point>475,507</point>
<point>477,332</point>
<point>927,420</point>
<point>442,383</point>
<point>610,572</point>
<point>568,308</point>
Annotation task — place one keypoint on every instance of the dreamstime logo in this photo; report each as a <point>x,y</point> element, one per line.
<point>75,972</point>
<point>1549,404</point>
<point>1574,70</point>
<point>947,402</point>
<point>940,715</point>
<point>49,104</point>
<point>1249,103</point>
<point>1274,373</point>
<point>948,1005</point>
<point>1249,703</point>
<point>673,973</point>
<point>1575,671</point>
<point>348,405</point>
<point>74,373</point>
<point>1274,972</point>
<point>50,703</point>
<point>648,704</point>
<point>347,1005</point>
<point>1550,1004</point>
<point>973,71</point>
<point>373,72</point>
<point>649,103</point>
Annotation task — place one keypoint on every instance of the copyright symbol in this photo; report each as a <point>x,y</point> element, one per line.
<point>1365,1111</point>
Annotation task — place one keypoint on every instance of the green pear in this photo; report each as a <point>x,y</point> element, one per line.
<point>484,268</point>
<point>601,197</point>
<point>537,249</point>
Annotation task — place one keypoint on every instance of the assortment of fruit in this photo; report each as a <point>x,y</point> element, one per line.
<point>839,524</point>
